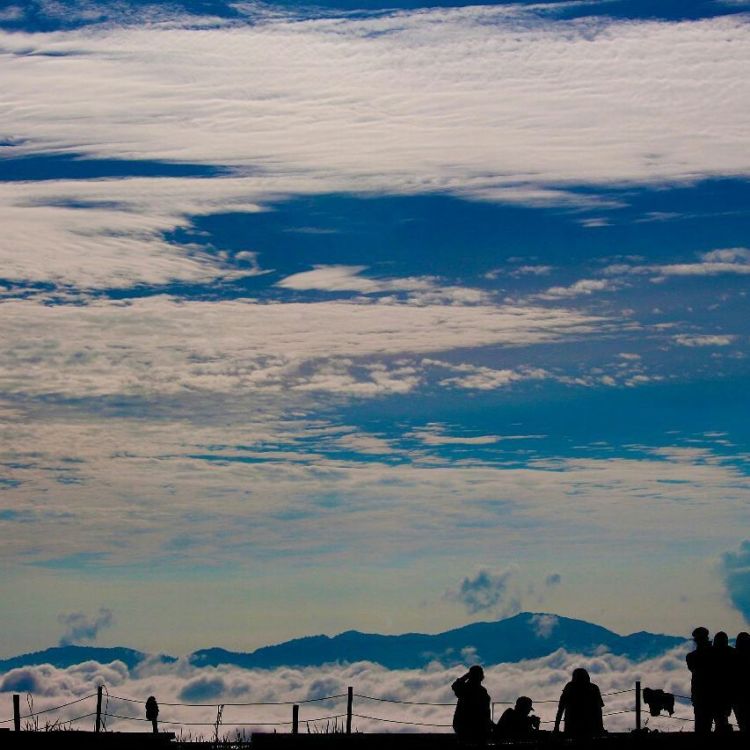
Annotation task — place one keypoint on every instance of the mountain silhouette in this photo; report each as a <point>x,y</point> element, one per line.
<point>68,656</point>
<point>525,636</point>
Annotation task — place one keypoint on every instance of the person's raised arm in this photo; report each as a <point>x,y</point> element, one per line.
<point>459,684</point>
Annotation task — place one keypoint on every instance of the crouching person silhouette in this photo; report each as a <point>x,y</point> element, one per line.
<point>581,703</point>
<point>472,721</point>
<point>517,723</point>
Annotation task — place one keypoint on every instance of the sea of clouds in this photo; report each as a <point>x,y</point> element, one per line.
<point>182,683</point>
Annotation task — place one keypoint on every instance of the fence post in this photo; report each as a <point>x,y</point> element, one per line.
<point>637,705</point>
<point>17,713</point>
<point>349,704</point>
<point>295,719</point>
<point>99,708</point>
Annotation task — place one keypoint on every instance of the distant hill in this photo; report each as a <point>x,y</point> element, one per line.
<point>68,656</point>
<point>525,636</point>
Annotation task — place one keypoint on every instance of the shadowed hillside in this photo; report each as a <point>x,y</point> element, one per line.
<point>524,636</point>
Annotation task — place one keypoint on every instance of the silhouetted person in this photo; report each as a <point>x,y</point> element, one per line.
<point>152,712</point>
<point>724,674</point>
<point>472,720</point>
<point>741,702</point>
<point>517,723</point>
<point>581,703</point>
<point>700,664</point>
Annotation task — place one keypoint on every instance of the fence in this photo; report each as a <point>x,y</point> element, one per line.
<point>104,698</point>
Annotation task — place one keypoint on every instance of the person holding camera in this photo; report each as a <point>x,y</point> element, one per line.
<point>517,723</point>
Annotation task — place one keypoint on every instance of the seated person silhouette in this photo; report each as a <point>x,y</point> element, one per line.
<point>472,721</point>
<point>581,703</point>
<point>517,723</point>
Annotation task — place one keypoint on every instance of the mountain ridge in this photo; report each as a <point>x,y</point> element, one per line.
<point>527,635</point>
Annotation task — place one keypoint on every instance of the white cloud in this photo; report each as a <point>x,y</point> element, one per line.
<point>582,287</point>
<point>538,270</point>
<point>365,443</point>
<point>695,340</point>
<point>488,591</point>
<point>735,570</point>
<point>80,627</point>
<point>347,278</point>
<point>541,679</point>
<point>412,100</point>
<point>110,233</point>
<point>713,263</point>
<point>488,378</point>
<point>478,102</point>
<point>158,345</point>
<point>544,624</point>
<point>192,483</point>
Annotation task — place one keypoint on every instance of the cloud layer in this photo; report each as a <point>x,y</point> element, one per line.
<point>541,679</point>
<point>491,103</point>
<point>735,567</point>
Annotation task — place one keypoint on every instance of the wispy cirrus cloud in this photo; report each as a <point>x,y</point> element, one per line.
<point>698,340</point>
<point>317,114</point>
<point>349,279</point>
<point>717,262</point>
<point>109,347</point>
<point>582,287</point>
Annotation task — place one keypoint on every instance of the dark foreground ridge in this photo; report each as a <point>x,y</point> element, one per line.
<point>373,741</point>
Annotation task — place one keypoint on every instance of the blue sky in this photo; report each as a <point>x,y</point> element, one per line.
<point>310,314</point>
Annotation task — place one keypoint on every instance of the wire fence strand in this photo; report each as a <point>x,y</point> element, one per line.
<point>338,696</point>
<point>49,710</point>
<point>228,723</point>
<point>300,702</point>
<point>397,721</point>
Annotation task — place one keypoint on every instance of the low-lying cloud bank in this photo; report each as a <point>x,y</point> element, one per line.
<point>181,683</point>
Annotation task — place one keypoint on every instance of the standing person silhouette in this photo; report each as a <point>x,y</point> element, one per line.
<point>152,713</point>
<point>724,677</point>
<point>472,720</point>
<point>741,702</point>
<point>581,703</point>
<point>700,664</point>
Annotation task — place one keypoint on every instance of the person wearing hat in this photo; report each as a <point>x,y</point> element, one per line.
<point>700,664</point>
<point>472,720</point>
<point>516,723</point>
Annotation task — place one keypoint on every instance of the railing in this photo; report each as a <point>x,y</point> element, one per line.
<point>105,711</point>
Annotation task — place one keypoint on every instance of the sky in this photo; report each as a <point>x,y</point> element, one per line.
<point>371,315</point>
